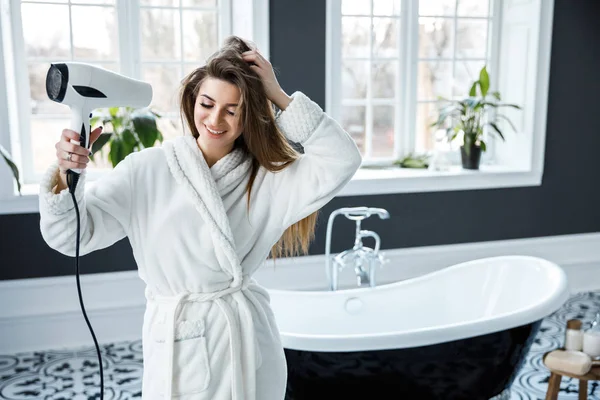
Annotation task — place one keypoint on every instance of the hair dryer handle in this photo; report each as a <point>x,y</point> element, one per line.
<point>80,123</point>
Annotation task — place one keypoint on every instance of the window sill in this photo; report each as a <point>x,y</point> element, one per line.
<point>369,181</point>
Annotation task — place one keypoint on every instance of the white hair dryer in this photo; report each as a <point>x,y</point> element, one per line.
<point>84,87</point>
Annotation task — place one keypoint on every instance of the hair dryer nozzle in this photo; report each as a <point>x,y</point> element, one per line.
<point>56,82</point>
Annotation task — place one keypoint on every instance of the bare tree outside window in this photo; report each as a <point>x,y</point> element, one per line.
<point>452,43</point>
<point>48,32</point>
<point>453,46</point>
<point>173,42</point>
<point>167,55</point>
<point>370,61</point>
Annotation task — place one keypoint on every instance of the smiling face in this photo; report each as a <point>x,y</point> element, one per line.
<point>217,118</point>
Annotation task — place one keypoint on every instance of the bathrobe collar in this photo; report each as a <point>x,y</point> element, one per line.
<point>206,186</point>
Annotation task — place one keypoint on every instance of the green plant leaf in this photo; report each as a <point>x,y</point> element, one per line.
<point>100,142</point>
<point>413,161</point>
<point>473,90</point>
<point>467,149</point>
<point>508,105</point>
<point>496,95</point>
<point>472,103</point>
<point>146,129</point>
<point>444,114</point>
<point>129,140</point>
<point>117,151</point>
<point>469,139</point>
<point>482,145</point>
<point>12,166</point>
<point>113,111</point>
<point>117,123</point>
<point>484,81</point>
<point>504,117</point>
<point>498,131</point>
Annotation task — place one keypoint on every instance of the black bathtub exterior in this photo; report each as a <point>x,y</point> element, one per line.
<point>476,368</point>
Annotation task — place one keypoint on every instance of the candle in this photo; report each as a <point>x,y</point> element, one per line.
<point>591,343</point>
<point>574,335</point>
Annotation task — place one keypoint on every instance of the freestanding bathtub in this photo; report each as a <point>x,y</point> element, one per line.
<point>461,332</point>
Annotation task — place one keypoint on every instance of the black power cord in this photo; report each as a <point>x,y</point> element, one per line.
<point>72,179</point>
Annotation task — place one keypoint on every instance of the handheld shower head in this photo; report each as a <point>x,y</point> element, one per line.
<point>382,213</point>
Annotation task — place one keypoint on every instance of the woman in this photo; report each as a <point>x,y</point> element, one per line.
<point>202,213</point>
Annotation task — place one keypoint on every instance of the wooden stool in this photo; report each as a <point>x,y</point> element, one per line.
<point>556,377</point>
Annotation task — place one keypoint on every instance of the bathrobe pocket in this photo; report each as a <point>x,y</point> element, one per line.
<point>191,371</point>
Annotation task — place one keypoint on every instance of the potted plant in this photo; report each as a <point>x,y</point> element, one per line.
<point>470,116</point>
<point>132,130</point>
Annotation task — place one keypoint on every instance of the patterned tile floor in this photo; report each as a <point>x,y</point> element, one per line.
<point>73,374</point>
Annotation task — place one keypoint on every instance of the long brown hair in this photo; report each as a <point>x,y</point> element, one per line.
<point>260,138</point>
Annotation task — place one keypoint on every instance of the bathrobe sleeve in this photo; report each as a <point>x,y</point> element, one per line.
<point>104,206</point>
<point>329,162</point>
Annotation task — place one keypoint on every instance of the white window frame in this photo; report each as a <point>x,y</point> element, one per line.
<point>500,168</point>
<point>248,19</point>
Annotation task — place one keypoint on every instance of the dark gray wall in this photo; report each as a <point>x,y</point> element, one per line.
<point>566,203</point>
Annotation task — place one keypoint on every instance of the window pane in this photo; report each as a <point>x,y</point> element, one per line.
<point>188,68</point>
<point>387,7</point>
<point>170,127</point>
<point>436,36</point>
<point>353,122</point>
<point>383,131</point>
<point>384,79</point>
<point>160,34</point>
<point>46,30</point>
<point>434,79</point>
<point>437,7</point>
<point>199,3</point>
<point>95,33</point>
<point>473,8</point>
<point>426,114</point>
<point>165,81</point>
<point>44,135</point>
<point>167,3</point>
<point>386,37</point>
<point>356,7</point>
<point>466,72</point>
<point>109,2</point>
<point>471,38</point>
<point>355,36</point>
<point>200,36</point>
<point>354,79</point>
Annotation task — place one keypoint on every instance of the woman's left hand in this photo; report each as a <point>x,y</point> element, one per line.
<point>264,69</point>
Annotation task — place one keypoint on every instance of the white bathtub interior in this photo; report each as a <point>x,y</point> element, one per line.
<point>469,292</point>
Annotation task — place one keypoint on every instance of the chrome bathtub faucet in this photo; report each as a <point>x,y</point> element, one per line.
<point>363,259</point>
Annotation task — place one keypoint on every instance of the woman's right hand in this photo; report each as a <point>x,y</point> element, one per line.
<point>79,156</point>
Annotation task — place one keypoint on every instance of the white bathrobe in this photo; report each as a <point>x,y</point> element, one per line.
<point>209,332</point>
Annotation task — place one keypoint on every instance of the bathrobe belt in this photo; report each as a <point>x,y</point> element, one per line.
<point>239,390</point>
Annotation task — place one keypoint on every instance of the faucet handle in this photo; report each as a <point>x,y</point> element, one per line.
<point>380,257</point>
<point>344,258</point>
